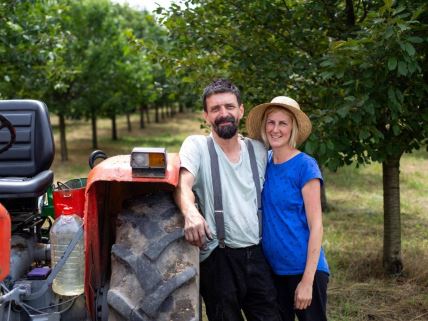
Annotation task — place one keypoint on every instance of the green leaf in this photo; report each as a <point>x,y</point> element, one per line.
<point>326,63</point>
<point>412,67</point>
<point>389,32</point>
<point>338,44</point>
<point>409,48</point>
<point>403,27</point>
<point>369,108</point>
<point>391,95</point>
<point>399,10</point>
<point>326,75</point>
<point>14,26</point>
<point>356,117</point>
<point>309,148</point>
<point>343,112</point>
<point>402,68</point>
<point>396,130</point>
<point>387,5</point>
<point>328,119</point>
<point>399,95</point>
<point>364,134</point>
<point>415,39</point>
<point>392,63</point>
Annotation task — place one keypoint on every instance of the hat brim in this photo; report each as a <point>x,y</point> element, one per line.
<point>255,117</point>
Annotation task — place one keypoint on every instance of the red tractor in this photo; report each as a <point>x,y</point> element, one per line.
<point>137,265</point>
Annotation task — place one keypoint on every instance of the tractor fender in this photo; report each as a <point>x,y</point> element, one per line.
<point>110,183</point>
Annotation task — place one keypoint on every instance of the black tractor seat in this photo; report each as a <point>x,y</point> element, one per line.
<point>25,167</point>
<point>18,187</point>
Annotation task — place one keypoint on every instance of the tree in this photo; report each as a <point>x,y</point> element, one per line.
<point>329,56</point>
<point>376,93</point>
<point>77,56</point>
<point>36,61</point>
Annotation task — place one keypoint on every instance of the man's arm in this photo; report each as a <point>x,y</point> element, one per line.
<point>196,229</point>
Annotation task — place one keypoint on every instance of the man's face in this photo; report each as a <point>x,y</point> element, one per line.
<point>223,114</point>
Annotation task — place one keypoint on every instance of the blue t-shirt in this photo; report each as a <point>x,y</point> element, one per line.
<point>285,227</point>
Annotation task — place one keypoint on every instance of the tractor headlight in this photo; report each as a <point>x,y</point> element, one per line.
<point>148,162</point>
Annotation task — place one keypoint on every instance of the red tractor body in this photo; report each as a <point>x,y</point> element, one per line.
<point>4,242</point>
<point>137,264</point>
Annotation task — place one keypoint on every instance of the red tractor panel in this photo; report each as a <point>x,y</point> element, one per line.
<point>5,235</point>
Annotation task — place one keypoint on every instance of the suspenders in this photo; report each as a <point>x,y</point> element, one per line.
<point>218,203</point>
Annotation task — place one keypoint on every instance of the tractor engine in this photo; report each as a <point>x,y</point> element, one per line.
<point>27,151</point>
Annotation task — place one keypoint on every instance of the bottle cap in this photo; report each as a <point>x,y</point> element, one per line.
<point>67,210</point>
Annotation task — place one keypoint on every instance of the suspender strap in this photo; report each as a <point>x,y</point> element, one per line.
<point>256,179</point>
<point>218,203</point>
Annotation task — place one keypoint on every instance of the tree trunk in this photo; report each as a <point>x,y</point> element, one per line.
<point>163,112</point>
<point>324,203</point>
<point>94,129</point>
<point>350,14</point>
<point>181,108</point>
<point>157,114</point>
<point>147,110</point>
<point>63,139</point>
<point>142,124</point>
<point>128,122</point>
<point>392,261</point>
<point>113,127</point>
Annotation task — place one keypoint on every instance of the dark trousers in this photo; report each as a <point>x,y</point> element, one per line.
<point>286,286</point>
<point>238,279</point>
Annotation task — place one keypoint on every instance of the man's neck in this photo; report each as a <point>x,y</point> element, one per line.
<point>230,146</point>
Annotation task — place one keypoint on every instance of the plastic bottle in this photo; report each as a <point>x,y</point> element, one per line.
<point>69,281</point>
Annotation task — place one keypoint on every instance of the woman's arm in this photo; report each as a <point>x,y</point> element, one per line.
<point>312,200</point>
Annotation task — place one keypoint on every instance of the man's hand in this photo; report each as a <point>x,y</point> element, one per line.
<point>196,229</point>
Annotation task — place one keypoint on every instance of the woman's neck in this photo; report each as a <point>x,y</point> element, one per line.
<point>283,154</point>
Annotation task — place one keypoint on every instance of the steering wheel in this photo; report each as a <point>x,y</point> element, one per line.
<point>5,123</point>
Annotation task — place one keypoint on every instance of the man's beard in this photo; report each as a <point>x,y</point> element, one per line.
<point>228,131</point>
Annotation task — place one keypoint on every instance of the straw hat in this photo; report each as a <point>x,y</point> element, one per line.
<point>255,117</point>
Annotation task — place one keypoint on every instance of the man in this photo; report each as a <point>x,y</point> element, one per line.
<point>234,275</point>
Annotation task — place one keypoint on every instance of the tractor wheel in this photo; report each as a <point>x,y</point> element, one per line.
<point>154,270</point>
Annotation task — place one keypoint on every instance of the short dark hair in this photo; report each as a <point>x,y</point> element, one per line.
<point>219,86</point>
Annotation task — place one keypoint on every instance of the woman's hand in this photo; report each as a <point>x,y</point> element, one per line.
<point>303,295</point>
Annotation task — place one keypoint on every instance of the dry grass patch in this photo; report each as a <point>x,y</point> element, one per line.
<point>359,289</point>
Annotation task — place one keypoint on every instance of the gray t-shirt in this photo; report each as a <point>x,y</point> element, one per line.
<point>238,190</point>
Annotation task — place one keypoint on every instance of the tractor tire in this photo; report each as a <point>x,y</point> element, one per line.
<point>154,271</point>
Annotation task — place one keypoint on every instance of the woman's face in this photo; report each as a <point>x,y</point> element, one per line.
<point>279,125</point>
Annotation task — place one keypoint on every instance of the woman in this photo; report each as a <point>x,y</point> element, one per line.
<point>292,217</point>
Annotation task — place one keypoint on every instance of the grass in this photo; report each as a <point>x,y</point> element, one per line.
<point>353,242</point>
<point>353,229</point>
